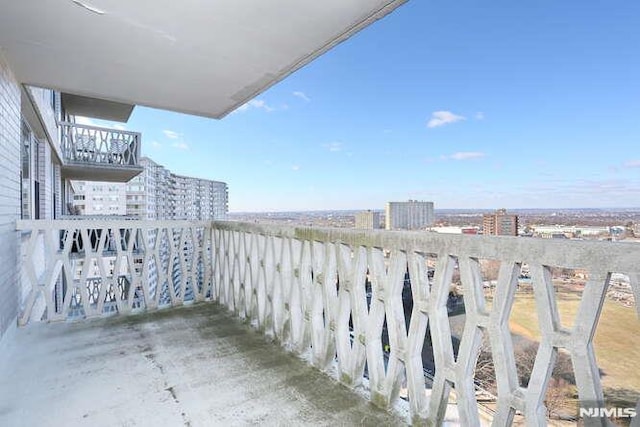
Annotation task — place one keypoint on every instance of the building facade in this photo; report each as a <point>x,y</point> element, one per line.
<point>148,193</point>
<point>410,215</point>
<point>367,220</point>
<point>160,194</point>
<point>500,223</point>
<point>99,198</point>
<point>43,153</point>
<point>155,194</point>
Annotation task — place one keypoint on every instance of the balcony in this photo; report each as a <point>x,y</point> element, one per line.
<point>99,154</point>
<point>359,305</point>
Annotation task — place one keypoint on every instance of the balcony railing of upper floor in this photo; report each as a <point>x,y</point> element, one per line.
<point>360,302</point>
<point>99,154</point>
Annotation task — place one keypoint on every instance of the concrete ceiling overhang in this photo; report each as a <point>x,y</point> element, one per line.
<point>98,108</point>
<point>193,56</point>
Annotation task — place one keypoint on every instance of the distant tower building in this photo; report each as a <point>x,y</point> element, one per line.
<point>500,224</point>
<point>368,220</point>
<point>411,215</point>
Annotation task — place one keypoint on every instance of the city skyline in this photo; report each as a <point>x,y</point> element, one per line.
<point>499,105</point>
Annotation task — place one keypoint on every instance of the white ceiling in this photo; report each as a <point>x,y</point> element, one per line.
<point>193,56</point>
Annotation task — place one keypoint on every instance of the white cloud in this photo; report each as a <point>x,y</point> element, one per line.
<point>255,103</point>
<point>441,118</point>
<point>466,155</point>
<point>603,192</point>
<point>479,115</point>
<point>302,96</point>
<point>295,167</point>
<point>119,126</point>
<point>259,103</point>
<point>180,145</point>
<point>333,146</point>
<point>632,164</point>
<point>171,134</point>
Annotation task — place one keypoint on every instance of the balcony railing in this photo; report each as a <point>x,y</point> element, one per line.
<point>92,149</point>
<point>340,297</point>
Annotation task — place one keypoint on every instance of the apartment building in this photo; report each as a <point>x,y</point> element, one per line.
<point>500,223</point>
<point>367,220</point>
<point>159,194</point>
<point>147,194</point>
<point>155,194</point>
<point>99,198</point>
<point>410,215</point>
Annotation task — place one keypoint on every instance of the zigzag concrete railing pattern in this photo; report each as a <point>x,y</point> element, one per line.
<point>88,268</point>
<point>308,288</point>
<point>84,144</point>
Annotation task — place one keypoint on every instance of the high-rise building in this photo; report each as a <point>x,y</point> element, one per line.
<point>154,194</point>
<point>410,215</point>
<point>500,223</point>
<point>100,198</point>
<point>159,194</point>
<point>368,220</point>
<point>148,193</point>
<point>196,198</point>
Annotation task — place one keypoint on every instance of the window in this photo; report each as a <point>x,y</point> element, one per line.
<point>55,193</point>
<point>25,172</point>
<point>30,167</point>
<point>36,178</point>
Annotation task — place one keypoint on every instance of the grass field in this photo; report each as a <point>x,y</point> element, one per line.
<point>616,340</point>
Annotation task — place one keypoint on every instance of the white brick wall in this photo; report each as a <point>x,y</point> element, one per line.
<point>9,195</point>
<point>45,177</point>
<point>57,188</point>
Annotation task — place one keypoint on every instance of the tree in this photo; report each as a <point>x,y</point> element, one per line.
<point>556,397</point>
<point>560,388</point>
<point>485,374</point>
<point>490,268</point>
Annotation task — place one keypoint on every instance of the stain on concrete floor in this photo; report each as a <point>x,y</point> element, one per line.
<point>188,366</point>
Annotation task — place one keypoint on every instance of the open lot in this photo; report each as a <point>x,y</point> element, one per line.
<point>616,345</point>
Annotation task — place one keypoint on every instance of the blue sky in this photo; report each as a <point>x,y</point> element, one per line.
<point>468,104</point>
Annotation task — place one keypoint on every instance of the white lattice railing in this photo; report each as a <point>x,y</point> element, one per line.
<point>83,144</point>
<point>88,268</point>
<point>337,295</point>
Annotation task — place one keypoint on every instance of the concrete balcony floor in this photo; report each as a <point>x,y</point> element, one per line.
<point>191,366</point>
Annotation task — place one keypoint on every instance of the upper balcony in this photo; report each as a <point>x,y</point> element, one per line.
<point>434,325</point>
<point>99,154</point>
